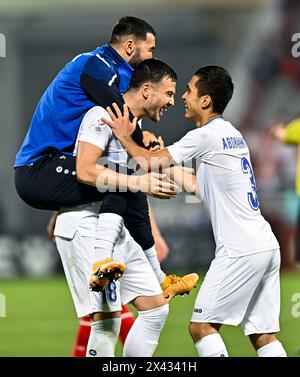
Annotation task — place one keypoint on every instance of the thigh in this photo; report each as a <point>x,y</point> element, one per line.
<point>77,259</point>
<point>228,287</point>
<point>142,303</point>
<point>52,183</point>
<point>262,314</point>
<point>139,278</point>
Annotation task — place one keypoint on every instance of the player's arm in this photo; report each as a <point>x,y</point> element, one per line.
<point>99,81</point>
<point>93,138</point>
<point>184,178</point>
<point>94,174</point>
<point>152,142</point>
<point>161,245</point>
<point>123,130</point>
<point>289,134</point>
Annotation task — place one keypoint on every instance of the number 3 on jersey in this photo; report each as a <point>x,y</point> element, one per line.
<point>252,196</point>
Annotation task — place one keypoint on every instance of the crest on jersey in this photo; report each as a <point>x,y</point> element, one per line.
<point>97,125</point>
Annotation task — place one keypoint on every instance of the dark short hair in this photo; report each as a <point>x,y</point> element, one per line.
<point>130,25</point>
<point>216,82</point>
<point>151,70</point>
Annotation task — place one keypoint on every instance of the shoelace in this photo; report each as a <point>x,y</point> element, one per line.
<point>175,278</point>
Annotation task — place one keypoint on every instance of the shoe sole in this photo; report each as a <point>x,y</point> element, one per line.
<point>106,273</point>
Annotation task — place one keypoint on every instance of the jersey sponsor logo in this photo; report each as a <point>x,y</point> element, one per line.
<point>233,142</point>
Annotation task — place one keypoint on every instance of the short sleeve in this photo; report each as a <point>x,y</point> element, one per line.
<point>195,144</point>
<point>93,130</point>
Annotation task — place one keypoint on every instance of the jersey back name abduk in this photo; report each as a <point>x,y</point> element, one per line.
<point>233,142</point>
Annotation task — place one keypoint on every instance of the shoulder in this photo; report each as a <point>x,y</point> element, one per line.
<point>205,133</point>
<point>93,117</point>
<point>95,112</point>
<point>99,66</point>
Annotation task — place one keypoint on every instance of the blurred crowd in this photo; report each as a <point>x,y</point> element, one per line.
<point>274,98</point>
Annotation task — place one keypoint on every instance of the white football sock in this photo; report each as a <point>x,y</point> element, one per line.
<point>109,227</point>
<point>273,349</point>
<point>211,346</point>
<point>151,255</point>
<point>143,336</point>
<point>103,337</point>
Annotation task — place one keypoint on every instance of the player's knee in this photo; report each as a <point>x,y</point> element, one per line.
<point>260,340</point>
<point>199,330</point>
<point>194,329</point>
<point>144,303</point>
<point>99,316</point>
<point>155,318</point>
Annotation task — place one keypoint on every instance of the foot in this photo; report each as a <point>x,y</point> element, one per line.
<point>104,272</point>
<point>174,285</point>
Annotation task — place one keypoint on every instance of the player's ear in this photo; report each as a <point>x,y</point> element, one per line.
<point>146,90</point>
<point>129,46</point>
<point>206,101</point>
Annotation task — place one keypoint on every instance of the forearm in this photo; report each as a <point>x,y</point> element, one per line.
<point>183,178</point>
<point>104,178</point>
<point>154,227</point>
<point>147,160</point>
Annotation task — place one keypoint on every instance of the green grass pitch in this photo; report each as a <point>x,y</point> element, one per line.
<point>40,321</point>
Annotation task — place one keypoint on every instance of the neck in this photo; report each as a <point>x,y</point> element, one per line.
<point>205,118</point>
<point>119,50</point>
<point>130,98</point>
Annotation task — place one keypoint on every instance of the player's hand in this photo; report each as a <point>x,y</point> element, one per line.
<point>156,185</point>
<point>120,123</point>
<point>151,142</point>
<point>278,132</point>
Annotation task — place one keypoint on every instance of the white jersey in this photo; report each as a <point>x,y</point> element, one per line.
<point>93,131</point>
<point>227,187</point>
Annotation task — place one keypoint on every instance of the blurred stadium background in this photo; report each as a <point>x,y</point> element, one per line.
<point>252,39</point>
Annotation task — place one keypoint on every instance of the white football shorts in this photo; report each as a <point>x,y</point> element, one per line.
<point>241,290</point>
<point>77,255</point>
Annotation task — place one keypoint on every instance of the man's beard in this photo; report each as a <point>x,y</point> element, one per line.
<point>136,61</point>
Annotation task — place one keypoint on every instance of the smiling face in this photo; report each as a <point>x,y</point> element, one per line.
<point>158,98</point>
<point>192,101</point>
<point>143,49</point>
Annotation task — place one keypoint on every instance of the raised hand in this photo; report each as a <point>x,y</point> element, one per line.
<point>151,142</point>
<point>120,123</point>
<point>278,132</point>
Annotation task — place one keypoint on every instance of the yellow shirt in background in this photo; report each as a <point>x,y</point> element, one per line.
<point>292,136</point>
